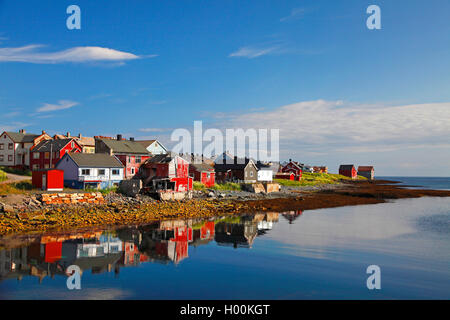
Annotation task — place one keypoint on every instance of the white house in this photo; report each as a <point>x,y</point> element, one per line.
<point>265,175</point>
<point>15,147</point>
<point>153,146</point>
<point>91,170</point>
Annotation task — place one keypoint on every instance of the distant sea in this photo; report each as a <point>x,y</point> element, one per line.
<point>437,183</point>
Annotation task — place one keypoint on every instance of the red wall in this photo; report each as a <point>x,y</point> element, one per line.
<point>54,159</point>
<point>349,173</point>
<point>55,179</point>
<point>129,161</point>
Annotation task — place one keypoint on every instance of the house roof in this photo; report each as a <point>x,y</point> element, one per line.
<point>125,146</point>
<point>51,145</point>
<point>365,168</point>
<point>234,166</point>
<point>83,141</point>
<point>95,160</point>
<point>22,137</point>
<point>163,158</point>
<point>346,167</point>
<point>202,167</point>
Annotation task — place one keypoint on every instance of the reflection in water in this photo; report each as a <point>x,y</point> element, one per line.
<point>108,251</point>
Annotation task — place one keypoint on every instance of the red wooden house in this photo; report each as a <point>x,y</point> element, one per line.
<point>46,154</point>
<point>203,173</point>
<point>348,170</point>
<point>293,167</point>
<point>167,166</point>
<point>131,153</point>
<point>285,176</point>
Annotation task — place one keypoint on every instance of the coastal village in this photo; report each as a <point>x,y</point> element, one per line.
<point>142,166</point>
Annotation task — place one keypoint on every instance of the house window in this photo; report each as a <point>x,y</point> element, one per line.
<point>251,173</point>
<point>101,172</point>
<point>36,155</point>
<point>72,145</point>
<point>85,172</point>
<point>46,166</point>
<point>10,146</point>
<point>138,159</point>
<point>35,167</point>
<point>132,170</point>
<point>10,158</point>
<point>2,145</point>
<point>129,159</point>
<point>47,155</point>
<point>115,172</point>
<point>1,157</point>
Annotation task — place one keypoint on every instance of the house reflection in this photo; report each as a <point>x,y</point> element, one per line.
<point>99,251</point>
<point>291,216</point>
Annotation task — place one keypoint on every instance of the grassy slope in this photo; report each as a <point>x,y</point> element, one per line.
<point>312,179</point>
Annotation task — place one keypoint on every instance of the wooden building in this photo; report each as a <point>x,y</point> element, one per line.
<point>366,171</point>
<point>203,173</point>
<point>239,170</point>
<point>46,154</point>
<point>348,170</point>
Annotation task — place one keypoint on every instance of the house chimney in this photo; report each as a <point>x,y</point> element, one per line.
<point>290,160</point>
<point>79,136</point>
<point>235,159</point>
<point>131,138</point>
<point>119,137</point>
<point>202,157</point>
<point>68,134</point>
<point>43,132</point>
<point>192,157</point>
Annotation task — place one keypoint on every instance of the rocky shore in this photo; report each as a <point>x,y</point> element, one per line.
<point>25,213</point>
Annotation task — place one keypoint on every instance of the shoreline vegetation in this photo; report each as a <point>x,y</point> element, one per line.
<point>315,192</point>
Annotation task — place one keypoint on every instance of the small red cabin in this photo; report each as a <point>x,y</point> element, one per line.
<point>348,170</point>
<point>203,173</point>
<point>285,175</point>
<point>48,179</point>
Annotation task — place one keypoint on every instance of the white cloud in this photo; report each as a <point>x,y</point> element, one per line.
<point>31,54</point>
<point>335,126</point>
<point>62,104</point>
<point>254,52</point>
<point>296,13</point>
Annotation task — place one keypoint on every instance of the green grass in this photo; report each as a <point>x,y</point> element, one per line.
<point>222,186</point>
<point>16,188</point>
<point>198,186</point>
<point>313,179</point>
<point>2,175</point>
<point>103,191</point>
<point>16,171</point>
<point>227,186</point>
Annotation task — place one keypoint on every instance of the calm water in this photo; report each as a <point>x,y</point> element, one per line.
<point>422,182</point>
<point>316,254</point>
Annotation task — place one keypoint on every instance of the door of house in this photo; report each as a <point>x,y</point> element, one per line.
<point>44,181</point>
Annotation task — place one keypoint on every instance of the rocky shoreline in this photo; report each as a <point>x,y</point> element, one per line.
<point>25,213</point>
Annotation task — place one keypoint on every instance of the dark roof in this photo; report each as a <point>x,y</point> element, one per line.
<point>202,166</point>
<point>145,143</point>
<point>51,145</point>
<point>95,160</point>
<point>365,168</point>
<point>22,137</point>
<point>346,167</point>
<point>232,166</point>
<point>125,146</point>
<point>163,158</point>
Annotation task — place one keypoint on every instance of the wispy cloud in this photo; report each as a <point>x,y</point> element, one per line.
<point>32,54</point>
<point>295,14</point>
<point>254,52</point>
<point>154,129</point>
<point>61,105</point>
<point>13,126</point>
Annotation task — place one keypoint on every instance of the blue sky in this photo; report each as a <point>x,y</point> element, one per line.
<point>339,92</point>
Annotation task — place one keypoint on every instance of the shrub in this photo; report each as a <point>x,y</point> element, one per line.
<point>2,175</point>
<point>20,172</point>
<point>227,186</point>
